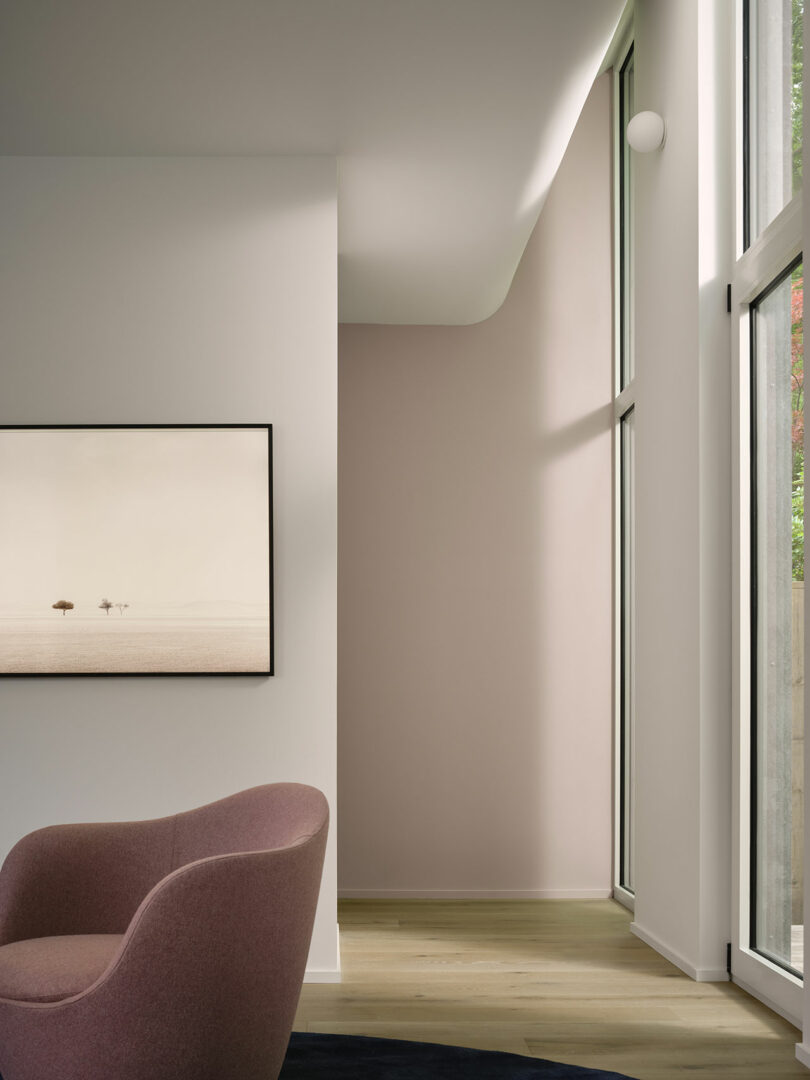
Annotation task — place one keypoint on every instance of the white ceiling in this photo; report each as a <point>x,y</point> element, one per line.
<point>449,117</point>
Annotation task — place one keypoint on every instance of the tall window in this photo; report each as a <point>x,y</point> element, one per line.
<point>777,618</point>
<point>627,648</point>
<point>773,53</point>
<point>626,104</point>
<point>768,294</point>
<point>624,415</point>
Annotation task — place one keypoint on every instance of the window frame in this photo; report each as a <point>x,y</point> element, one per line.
<point>623,403</point>
<point>624,374</point>
<point>753,541</point>
<point>759,262</point>
<point>626,801</point>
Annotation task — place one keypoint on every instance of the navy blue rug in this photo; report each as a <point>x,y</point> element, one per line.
<point>356,1057</point>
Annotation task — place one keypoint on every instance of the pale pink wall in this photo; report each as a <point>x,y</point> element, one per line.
<point>474,592</point>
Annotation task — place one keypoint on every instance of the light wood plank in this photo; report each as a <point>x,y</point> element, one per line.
<point>557,979</point>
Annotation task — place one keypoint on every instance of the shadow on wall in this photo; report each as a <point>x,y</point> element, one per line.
<point>474,595</point>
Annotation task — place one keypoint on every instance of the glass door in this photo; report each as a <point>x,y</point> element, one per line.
<point>767,955</point>
<point>777,608</point>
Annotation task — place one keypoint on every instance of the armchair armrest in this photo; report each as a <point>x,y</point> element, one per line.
<point>79,879</point>
<point>218,947</point>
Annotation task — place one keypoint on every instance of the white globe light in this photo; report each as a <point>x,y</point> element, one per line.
<point>645,132</point>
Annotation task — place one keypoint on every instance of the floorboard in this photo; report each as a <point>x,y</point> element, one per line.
<point>562,979</point>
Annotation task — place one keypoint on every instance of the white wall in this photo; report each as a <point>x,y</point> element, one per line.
<point>684,218</point>
<point>474,694</point>
<point>180,290</point>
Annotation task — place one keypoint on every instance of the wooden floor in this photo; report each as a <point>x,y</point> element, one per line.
<point>562,979</point>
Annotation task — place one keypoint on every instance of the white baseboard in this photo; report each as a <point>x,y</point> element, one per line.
<point>625,898</point>
<point>769,1002</point>
<point>803,1054</point>
<point>698,974</point>
<point>324,975</point>
<point>313,975</point>
<point>475,894</point>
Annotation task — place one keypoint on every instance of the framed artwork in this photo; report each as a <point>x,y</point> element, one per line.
<point>135,550</point>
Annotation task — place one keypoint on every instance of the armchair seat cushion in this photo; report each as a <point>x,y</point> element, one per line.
<point>53,968</point>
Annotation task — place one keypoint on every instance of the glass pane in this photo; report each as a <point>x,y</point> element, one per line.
<point>778,608</point>
<point>774,123</point>
<point>626,106</point>
<point>627,731</point>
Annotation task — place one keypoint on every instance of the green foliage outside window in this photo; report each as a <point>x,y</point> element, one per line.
<point>798,524</point>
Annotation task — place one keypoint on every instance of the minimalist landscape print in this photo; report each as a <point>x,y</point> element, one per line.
<point>135,550</point>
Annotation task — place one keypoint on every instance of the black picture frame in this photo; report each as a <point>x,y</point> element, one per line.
<point>184,518</point>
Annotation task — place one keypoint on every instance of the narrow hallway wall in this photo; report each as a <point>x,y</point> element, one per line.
<point>474,581</point>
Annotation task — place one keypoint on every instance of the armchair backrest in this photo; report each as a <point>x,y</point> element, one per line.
<point>91,878</point>
<point>259,819</point>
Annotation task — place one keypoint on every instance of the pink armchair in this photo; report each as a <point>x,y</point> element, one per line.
<point>171,949</point>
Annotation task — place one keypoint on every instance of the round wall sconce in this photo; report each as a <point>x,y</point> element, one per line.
<point>645,132</point>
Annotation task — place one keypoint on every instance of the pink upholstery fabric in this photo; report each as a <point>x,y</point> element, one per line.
<point>81,879</point>
<point>216,908</point>
<point>54,968</point>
